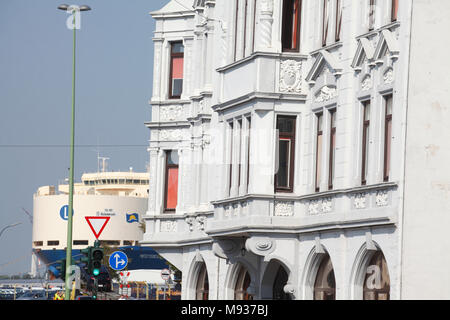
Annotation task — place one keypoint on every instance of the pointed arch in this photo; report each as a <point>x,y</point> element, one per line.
<point>236,281</point>
<point>370,274</point>
<point>198,281</point>
<point>276,277</point>
<point>318,281</point>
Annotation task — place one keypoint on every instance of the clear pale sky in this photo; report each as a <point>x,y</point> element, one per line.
<point>114,84</point>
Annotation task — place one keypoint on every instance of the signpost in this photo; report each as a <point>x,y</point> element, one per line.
<point>97,224</point>
<point>124,281</point>
<point>118,260</point>
<point>165,274</point>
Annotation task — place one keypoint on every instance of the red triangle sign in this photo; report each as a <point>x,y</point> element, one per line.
<point>97,224</point>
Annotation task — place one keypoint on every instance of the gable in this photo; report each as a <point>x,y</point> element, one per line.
<point>386,43</point>
<point>324,60</point>
<point>365,51</point>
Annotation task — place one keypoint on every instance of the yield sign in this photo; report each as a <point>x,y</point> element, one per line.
<point>97,224</point>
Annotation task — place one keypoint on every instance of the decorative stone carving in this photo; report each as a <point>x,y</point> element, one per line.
<point>313,207</point>
<point>284,208</point>
<point>260,246</point>
<point>226,211</point>
<point>266,22</point>
<point>170,113</point>
<point>366,84</point>
<point>327,205</point>
<point>171,135</point>
<point>235,209</point>
<point>326,93</point>
<point>190,222</point>
<point>290,76</point>
<point>289,288</point>
<point>388,76</point>
<point>320,206</point>
<point>382,198</point>
<point>226,249</point>
<point>360,201</point>
<point>244,208</point>
<point>267,6</point>
<point>201,221</point>
<point>168,226</point>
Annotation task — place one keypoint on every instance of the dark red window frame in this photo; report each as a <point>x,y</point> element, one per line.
<point>388,99</point>
<point>319,145</point>
<point>338,30</point>
<point>371,15</point>
<point>168,188</point>
<point>288,136</point>
<point>292,12</point>
<point>394,11</point>
<point>325,22</point>
<point>365,136</point>
<point>331,160</point>
<point>173,56</point>
<point>230,165</point>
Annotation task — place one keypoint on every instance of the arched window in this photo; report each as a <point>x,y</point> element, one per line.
<point>202,288</point>
<point>242,284</point>
<point>377,282</point>
<point>325,284</point>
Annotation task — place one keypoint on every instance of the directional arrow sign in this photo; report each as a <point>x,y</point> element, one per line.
<point>97,224</point>
<point>118,260</point>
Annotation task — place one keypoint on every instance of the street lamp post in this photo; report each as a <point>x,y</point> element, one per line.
<point>9,226</point>
<point>74,10</point>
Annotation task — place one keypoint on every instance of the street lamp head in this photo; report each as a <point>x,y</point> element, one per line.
<point>85,8</point>
<point>63,7</point>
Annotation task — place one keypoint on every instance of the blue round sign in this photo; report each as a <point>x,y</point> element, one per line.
<point>64,212</point>
<point>118,260</point>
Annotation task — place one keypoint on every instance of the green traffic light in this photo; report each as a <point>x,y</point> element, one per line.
<point>96,272</point>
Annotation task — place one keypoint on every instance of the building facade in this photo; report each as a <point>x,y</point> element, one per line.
<point>298,148</point>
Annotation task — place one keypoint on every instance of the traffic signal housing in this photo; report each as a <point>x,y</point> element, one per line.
<point>86,258</point>
<point>97,257</point>
<point>61,268</point>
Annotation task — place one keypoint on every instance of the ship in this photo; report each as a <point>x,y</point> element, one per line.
<point>120,196</point>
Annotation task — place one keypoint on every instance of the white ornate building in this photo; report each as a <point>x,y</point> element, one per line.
<point>299,149</point>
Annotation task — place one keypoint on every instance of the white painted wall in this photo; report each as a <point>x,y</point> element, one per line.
<point>426,244</point>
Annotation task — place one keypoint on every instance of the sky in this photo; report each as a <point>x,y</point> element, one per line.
<point>113,86</point>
